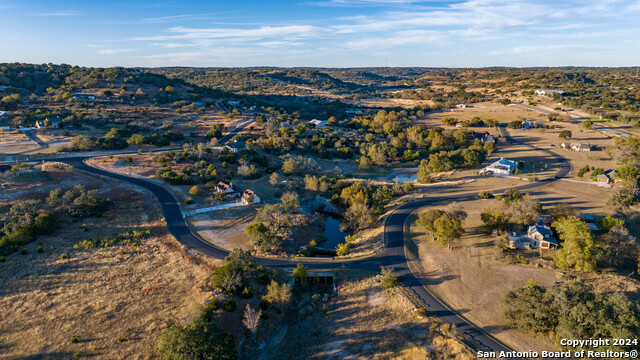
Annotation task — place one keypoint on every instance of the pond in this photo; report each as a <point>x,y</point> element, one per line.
<point>333,233</point>
<point>405,178</point>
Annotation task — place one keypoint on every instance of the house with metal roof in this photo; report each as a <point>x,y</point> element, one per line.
<point>537,236</point>
<point>502,166</point>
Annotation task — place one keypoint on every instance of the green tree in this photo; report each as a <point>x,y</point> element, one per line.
<point>495,217</point>
<point>301,274</point>
<point>278,294</point>
<point>45,223</point>
<point>578,245</point>
<point>82,143</point>
<point>200,339</point>
<point>609,222</point>
<point>389,278</point>
<point>137,139</point>
<point>290,201</point>
<point>448,230</point>
<point>565,134</point>
<point>195,191</point>
<point>427,219</point>
<point>358,216</point>
<point>629,174</point>
<point>342,249</point>
<point>424,176</point>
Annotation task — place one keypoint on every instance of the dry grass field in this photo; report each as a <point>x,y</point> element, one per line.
<point>115,300</point>
<point>472,281</point>
<point>7,137</point>
<point>364,321</point>
<point>225,228</point>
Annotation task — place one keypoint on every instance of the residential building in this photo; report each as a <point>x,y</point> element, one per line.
<point>236,146</point>
<point>3,88</point>
<point>502,166</point>
<point>79,96</point>
<point>576,146</point>
<point>548,92</point>
<point>250,197</point>
<point>530,125</point>
<point>54,123</point>
<point>537,236</point>
<point>461,106</point>
<point>233,103</point>
<point>486,138</point>
<point>319,124</point>
<point>224,188</point>
<point>604,179</point>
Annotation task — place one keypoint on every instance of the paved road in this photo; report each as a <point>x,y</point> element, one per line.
<point>394,255</point>
<point>35,138</point>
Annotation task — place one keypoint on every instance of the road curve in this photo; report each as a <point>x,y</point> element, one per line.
<point>393,255</point>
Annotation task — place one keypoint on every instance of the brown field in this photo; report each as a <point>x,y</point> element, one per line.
<point>365,322</point>
<point>12,137</point>
<point>99,295</point>
<point>471,269</point>
<point>487,110</point>
<point>225,228</point>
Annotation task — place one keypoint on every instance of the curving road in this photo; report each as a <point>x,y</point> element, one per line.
<point>394,255</point>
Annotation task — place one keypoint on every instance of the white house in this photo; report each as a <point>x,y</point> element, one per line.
<point>250,197</point>
<point>502,166</point>
<point>461,106</point>
<point>233,102</point>
<point>319,124</point>
<point>548,92</point>
<point>223,188</point>
<point>537,236</point>
<point>530,125</point>
<point>575,146</point>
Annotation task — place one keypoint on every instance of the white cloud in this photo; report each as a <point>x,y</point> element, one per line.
<point>185,33</point>
<point>113,51</point>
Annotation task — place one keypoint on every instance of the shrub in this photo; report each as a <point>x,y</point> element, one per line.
<point>263,279</point>
<point>122,339</point>
<point>22,236</point>
<point>230,305</point>
<point>485,195</point>
<point>195,191</point>
<point>2,259</point>
<point>246,293</point>
<point>342,249</point>
<point>264,303</point>
<point>64,256</point>
<point>45,223</point>
<point>85,245</point>
<point>214,304</point>
<point>40,249</point>
<point>389,279</point>
<point>516,124</point>
<point>73,340</point>
<point>188,201</point>
<point>565,134</point>
<point>24,252</point>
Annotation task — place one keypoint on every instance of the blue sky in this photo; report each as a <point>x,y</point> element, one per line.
<point>328,33</point>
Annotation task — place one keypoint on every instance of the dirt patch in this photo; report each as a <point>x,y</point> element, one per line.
<point>353,328</point>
